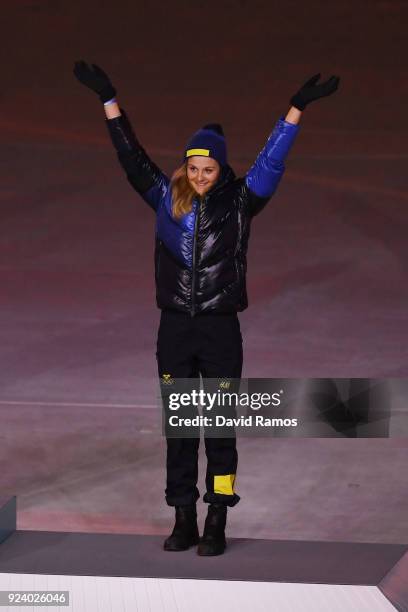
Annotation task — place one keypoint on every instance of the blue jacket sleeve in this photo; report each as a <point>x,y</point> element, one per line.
<point>144,176</point>
<point>263,177</point>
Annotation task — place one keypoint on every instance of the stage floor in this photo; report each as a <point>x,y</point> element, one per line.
<point>133,570</point>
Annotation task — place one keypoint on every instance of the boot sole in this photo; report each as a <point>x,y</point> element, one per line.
<point>202,553</point>
<point>206,554</point>
<point>171,549</point>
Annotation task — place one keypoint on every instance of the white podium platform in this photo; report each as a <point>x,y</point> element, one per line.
<point>112,594</point>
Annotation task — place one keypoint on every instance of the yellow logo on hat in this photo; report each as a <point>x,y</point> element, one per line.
<point>167,379</point>
<point>191,152</point>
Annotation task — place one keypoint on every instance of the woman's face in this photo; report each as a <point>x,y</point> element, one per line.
<point>202,173</point>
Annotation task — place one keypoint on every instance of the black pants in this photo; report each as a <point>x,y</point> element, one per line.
<point>210,345</point>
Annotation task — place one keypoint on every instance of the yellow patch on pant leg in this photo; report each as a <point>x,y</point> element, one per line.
<point>224,484</point>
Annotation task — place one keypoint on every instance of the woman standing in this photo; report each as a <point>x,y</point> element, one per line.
<point>203,217</point>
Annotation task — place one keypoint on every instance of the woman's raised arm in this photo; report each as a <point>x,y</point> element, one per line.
<point>264,176</point>
<point>143,174</point>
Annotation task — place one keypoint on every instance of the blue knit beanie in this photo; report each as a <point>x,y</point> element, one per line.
<point>208,142</point>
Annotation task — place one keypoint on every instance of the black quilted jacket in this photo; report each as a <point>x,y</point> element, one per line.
<point>200,259</point>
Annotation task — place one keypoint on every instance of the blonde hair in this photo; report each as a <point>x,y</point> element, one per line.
<point>183,193</point>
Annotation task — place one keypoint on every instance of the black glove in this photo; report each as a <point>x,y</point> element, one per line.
<point>310,91</point>
<point>96,79</point>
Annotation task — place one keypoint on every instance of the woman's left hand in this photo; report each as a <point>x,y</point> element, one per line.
<point>310,91</point>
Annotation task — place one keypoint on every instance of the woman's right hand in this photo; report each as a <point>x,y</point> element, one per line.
<point>96,79</point>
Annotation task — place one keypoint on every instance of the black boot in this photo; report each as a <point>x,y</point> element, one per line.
<point>213,540</point>
<point>185,532</point>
